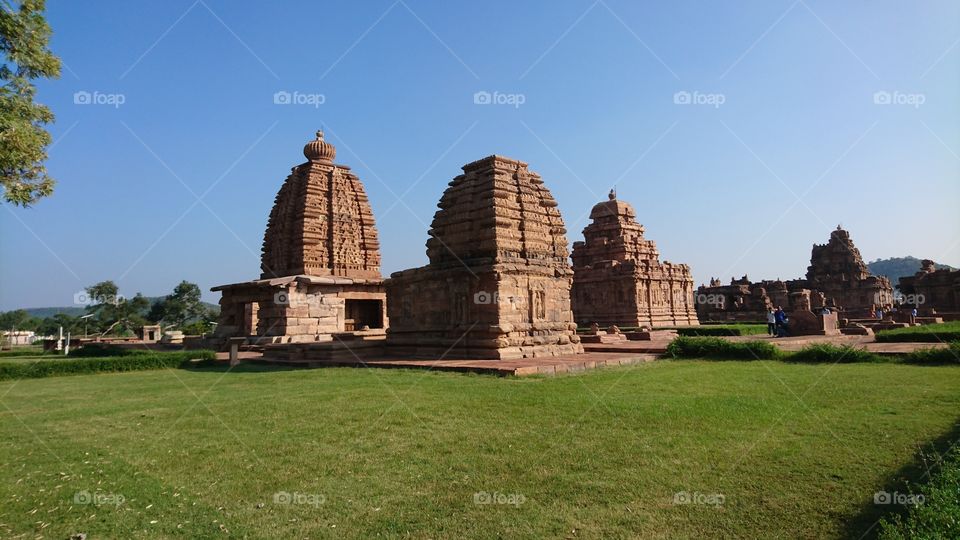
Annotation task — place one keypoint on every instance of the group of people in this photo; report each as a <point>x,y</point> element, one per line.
<point>777,322</point>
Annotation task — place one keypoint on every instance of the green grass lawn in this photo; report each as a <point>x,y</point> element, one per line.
<point>929,333</point>
<point>397,453</point>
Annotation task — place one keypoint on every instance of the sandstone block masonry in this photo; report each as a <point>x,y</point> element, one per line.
<point>498,282</point>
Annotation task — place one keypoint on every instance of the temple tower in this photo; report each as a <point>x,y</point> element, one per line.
<point>619,279</point>
<point>320,266</point>
<point>498,282</point>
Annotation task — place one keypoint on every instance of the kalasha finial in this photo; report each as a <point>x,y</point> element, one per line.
<point>319,149</point>
<point>613,194</point>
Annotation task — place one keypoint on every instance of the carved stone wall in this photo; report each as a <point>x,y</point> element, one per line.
<point>619,279</point>
<point>498,282</point>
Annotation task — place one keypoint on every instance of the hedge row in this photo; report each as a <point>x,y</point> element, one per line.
<point>938,514</point>
<point>721,349</point>
<point>722,330</point>
<point>130,362</point>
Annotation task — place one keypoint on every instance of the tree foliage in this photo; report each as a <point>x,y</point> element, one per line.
<point>24,36</point>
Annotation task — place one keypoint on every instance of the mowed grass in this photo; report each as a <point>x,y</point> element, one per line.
<point>794,450</point>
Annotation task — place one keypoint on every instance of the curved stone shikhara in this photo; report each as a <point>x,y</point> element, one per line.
<point>321,223</point>
<point>619,279</point>
<point>320,267</point>
<point>498,281</point>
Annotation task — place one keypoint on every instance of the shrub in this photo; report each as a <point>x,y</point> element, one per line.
<point>717,348</point>
<point>931,356</point>
<point>927,333</point>
<point>722,330</point>
<point>101,350</point>
<point>828,353</point>
<point>939,514</point>
<point>131,362</point>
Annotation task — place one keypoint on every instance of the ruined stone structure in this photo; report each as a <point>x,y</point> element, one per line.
<point>618,277</point>
<point>498,282</point>
<point>932,291</point>
<point>320,267</point>
<point>838,271</point>
<point>836,278</point>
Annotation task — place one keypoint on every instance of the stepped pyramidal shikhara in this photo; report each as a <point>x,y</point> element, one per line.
<point>619,279</point>
<point>498,282</point>
<point>320,266</point>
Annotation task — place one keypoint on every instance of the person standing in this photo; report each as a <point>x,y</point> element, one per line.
<point>781,321</point>
<point>771,322</point>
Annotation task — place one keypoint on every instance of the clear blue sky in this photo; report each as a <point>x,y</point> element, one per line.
<point>717,187</point>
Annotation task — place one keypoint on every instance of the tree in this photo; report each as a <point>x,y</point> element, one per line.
<point>180,307</point>
<point>19,320</point>
<point>112,310</point>
<point>24,36</point>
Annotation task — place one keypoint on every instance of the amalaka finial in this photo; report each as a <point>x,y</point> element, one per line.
<point>613,194</point>
<point>319,149</point>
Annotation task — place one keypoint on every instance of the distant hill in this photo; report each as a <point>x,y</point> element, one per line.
<point>897,267</point>
<point>74,311</point>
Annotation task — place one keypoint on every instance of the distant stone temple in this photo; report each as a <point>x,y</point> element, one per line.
<point>837,270</point>
<point>837,278</point>
<point>618,278</point>
<point>498,282</point>
<point>320,267</point>
<point>932,291</point>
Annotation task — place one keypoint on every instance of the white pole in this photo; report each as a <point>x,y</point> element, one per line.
<point>66,350</point>
<point>60,340</point>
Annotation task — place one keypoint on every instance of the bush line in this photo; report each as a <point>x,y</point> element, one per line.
<point>140,360</point>
<point>713,348</point>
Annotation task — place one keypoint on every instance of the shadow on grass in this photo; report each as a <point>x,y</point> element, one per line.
<point>866,524</point>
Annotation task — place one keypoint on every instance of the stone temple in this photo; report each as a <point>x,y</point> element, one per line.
<point>837,278</point>
<point>618,278</point>
<point>498,282</point>
<point>320,267</point>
